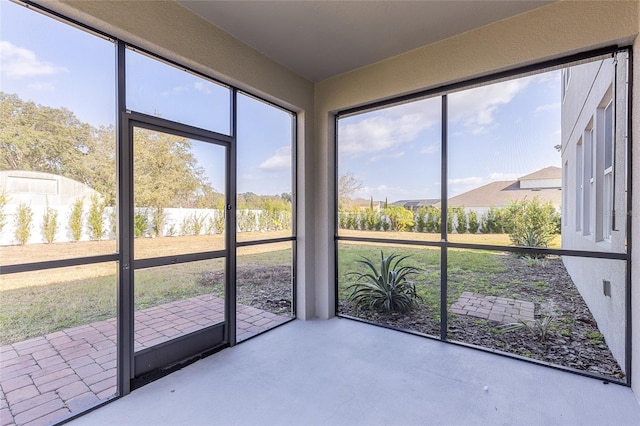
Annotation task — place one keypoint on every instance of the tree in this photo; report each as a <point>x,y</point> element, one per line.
<point>95,219</point>
<point>461,220</point>
<point>474,225</point>
<point>167,174</point>
<point>49,224</point>
<point>24,216</point>
<point>531,223</point>
<point>75,219</point>
<point>54,140</point>
<point>348,185</point>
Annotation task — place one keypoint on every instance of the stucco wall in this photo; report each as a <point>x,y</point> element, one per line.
<point>635,222</point>
<point>588,86</point>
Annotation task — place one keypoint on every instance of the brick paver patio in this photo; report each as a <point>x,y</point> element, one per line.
<point>500,309</point>
<point>46,378</point>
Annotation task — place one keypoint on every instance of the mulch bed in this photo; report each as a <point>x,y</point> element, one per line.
<point>263,287</point>
<point>574,342</point>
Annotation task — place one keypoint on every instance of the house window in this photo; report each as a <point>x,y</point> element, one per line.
<point>579,184</point>
<point>566,77</point>
<point>587,182</point>
<point>607,190</point>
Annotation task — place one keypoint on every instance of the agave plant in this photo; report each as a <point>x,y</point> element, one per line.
<point>540,329</point>
<point>385,287</point>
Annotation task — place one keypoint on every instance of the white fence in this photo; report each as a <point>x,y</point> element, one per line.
<point>175,222</point>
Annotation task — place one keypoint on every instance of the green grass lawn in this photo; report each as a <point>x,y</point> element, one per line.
<point>78,296</point>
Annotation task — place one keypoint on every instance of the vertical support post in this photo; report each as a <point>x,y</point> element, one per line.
<point>628,285</point>
<point>443,221</point>
<point>294,212</point>
<point>124,161</point>
<point>230,225</point>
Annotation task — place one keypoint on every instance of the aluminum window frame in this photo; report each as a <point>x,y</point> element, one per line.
<point>124,251</point>
<point>444,244</point>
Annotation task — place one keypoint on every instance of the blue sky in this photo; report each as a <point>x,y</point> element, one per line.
<point>57,65</point>
<point>496,132</point>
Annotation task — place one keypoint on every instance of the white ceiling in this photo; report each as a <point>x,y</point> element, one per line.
<point>321,39</point>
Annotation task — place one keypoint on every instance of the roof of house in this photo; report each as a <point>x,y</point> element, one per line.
<point>550,172</point>
<point>503,193</point>
<point>414,204</point>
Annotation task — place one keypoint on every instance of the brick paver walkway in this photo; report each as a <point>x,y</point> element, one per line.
<point>44,379</point>
<point>500,309</point>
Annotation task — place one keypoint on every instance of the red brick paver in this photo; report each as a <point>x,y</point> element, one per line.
<point>500,309</point>
<point>44,379</point>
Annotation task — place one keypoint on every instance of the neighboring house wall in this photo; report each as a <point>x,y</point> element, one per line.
<point>590,194</point>
<point>38,190</point>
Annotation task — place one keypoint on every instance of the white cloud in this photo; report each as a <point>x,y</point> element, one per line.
<point>197,86</point>
<point>18,62</point>
<point>430,149</point>
<point>472,180</point>
<point>279,161</point>
<point>42,87</point>
<point>476,107</point>
<point>383,156</point>
<point>201,86</point>
<point>548,107</point>
<point>387,129</point>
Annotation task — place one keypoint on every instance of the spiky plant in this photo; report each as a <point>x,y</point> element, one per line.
<point>385,288</point>
<point>540,328</point>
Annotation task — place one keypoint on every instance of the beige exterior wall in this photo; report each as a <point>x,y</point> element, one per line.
<point>589,85</point>
<point>635,221</point>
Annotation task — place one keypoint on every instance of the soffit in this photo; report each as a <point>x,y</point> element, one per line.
<point>322,39</point>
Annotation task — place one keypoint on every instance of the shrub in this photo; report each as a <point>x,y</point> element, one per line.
<point>49,224</point>
<point>421,219</point>
<point>385,288</point>
<point>400,218</point>
<point>95,219</point>
<point>4,200</point>
<point>23,218</point>
<point>352,221</point>
<point>158,219</point>
<point>342,220</point>
<point>198,222</point>
<point>473,222</point>
<point>540,328</point>
<point>369,219</point>
<point>219,221</point>
<point>492,222</point>
<point>114,222</point>
<point>461,220</point>
<point>140,224</point>
<point>433,222</point>
<point>531,223</point>
<point>75,219</point>
<point>449,220</point>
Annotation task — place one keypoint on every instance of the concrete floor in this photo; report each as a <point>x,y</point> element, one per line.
<point>341,372</point>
